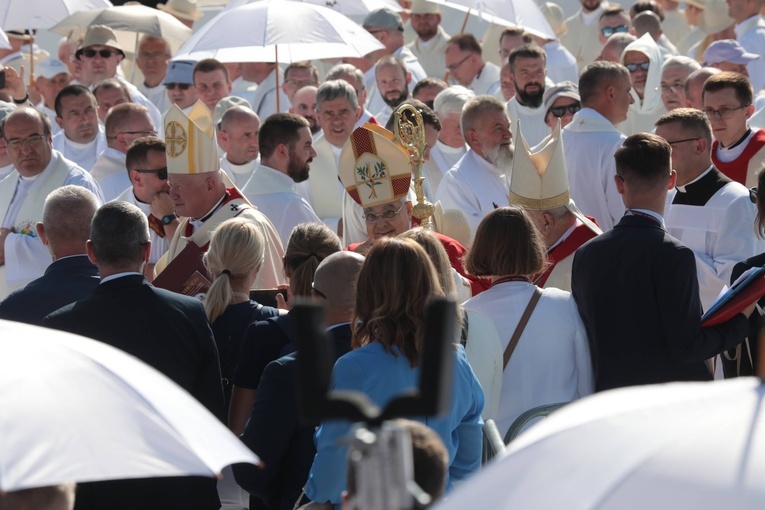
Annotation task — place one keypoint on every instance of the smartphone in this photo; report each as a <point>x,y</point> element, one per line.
<point>2,79</point>
<point>267,297</point>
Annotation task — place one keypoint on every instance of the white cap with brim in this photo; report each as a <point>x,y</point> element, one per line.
<point>190,141</point>
<point>51,67</point>
<point>539,181</point>
<point>225,104</point>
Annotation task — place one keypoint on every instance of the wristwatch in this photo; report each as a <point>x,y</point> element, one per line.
<point>168,219</point>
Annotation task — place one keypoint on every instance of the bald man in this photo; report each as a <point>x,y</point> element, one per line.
<point>239,128</point>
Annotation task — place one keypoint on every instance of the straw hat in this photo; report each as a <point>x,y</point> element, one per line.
<point>186,9</point>
<point>190,141</point>
<point>99,35</point>
<point>424,7</point>
<point>715,17</point>
<point>373,168</point>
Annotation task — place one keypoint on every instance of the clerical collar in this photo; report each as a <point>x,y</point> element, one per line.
<point>198,222</point>
<point>81,146</point>
<point>450,150</point>
<point>241,169</point>
<point>588,18</point>
<point>739,142</point>
<point>682,189</point>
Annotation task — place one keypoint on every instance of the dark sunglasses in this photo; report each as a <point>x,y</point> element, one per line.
<point>105,53</point>
<point>560,111</point>
<point>609,31</point>
<point>161,172</point>
<point>753,194</point>
<point>182,86</point>
<point>634,67</point>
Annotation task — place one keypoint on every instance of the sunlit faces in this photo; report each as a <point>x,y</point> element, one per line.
<point>529,79</point>
<point>392,84</point>
<point>609,25</point>
<point>241,135</point>
<point>301,155</point>
<point>97,67</point>
<point>337,118</point>
<point>296,79</point>
<point>564,109</point>
<point>181,94</point>
<point>507,44</point>
<point>153,54</point>
<point>622,99</point>
<point>506,83</point>
<point>462,65</point>
<point>451,131</point>
<point>147,185</point>
<point>50,87</point>
<point>79,119</point>
<point>493,139</point>
<point>190,193</point>
<point>637,64</point>
<point>431,137</point>
<point>727,115</point>
<point>390,219</point>
<point>211,87</point>
<point>673,87</point>
<point>29,146</point>
<point>106,98</point>
<point>425,25</point>
<point>732,67</point>
<point>304,104</point>
<point>136,125</point>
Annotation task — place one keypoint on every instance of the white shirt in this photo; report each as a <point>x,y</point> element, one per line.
<point>239,174</point>
<point>486,81</point>
<point>111,173</point>
<point>84,154</point>
<point>589,142</point>
<point>750,34</point>
<point>431,54</point>
<point>532,120</point>
<point>157,95</point>
<point>263,100</point>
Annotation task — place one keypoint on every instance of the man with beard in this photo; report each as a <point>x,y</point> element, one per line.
<point>478,183</point>
<point>304,104</point>
<point>583,28</point>
<point>337,110</point>
<point>430,44</point>
<point>238,136</point>
<point>81,139</point>
<point>466,65</point>
<point>527,65</point>
<point>393,83</point>
<point>146,164</point>
<point>286,153</point>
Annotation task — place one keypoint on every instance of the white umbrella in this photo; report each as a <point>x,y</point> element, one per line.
<point>4,42</point>
<point>42,14</point>
<point>278,31</point>
<point>74,409</point>
<point>346,7</point>
<point>680,445</point>
<point>523,13</point>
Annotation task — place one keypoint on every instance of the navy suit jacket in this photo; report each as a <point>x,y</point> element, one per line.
<point>65,281</point>
<point>171,333</point>
<point>638,295</point>
<point>279,436</point>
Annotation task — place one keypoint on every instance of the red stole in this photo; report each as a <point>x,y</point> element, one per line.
<point>156,225</point>
<point>578,237</point>
<point>739,167</point>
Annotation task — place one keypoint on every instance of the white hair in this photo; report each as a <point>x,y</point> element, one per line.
<point>451,100</point>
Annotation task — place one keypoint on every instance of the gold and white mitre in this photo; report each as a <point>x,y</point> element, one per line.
<point>539,180</point>
<point>373,168</point>
<point>190,141</point>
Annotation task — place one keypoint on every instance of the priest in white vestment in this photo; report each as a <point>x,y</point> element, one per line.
<point>527,65</point>
<point>286,160</point>
<point>591,140</point>
<point>238,136</point>
<point>647,105</point>
<point>125,123</point>
<point>81,139</point>
<point>430,44</point>
<point>153,55</point>
<point>583,29</point>
<point>464,60</point>
<point>39,169</point>
<point>479,183</point>
<point>263,100</point>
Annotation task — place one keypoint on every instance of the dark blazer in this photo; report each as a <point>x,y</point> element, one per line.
<point>65,281</point>
<point>171,333</point>
<point>637,292</point>
<point>734,367</point>
<point>264,342</point>
<point>279,436</point>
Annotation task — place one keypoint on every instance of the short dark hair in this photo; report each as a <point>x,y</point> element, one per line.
<point>28,111</point>
<point>493,255</point>
<point>516,32</point>
<point>306,64</point>
<point>466,42</point>
<point>646,5</point>
<point>279,128</point>
<point>738,82</point>
<point>119,114</point>
<point>391,60</point>
<point>139,150</point>
<point>429,82</point>
<point>208,65</point>
<point>613,10</point>
<point>71,90</point>
<point>644,162</point>
<point>596,76</point>
<point>528,50</point>
<point>118,233</point>
<point>110,84</point>
<point>689,119</point>
<point>429,117</point>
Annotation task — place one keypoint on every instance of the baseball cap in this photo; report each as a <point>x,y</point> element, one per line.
<point>384,17</point>
<point>180,71</point>
<point>562,89</point>
<point>50,67</point>
<point>727,50</point>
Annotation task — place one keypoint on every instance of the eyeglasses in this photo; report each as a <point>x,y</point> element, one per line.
<point>560,111</point>
<point>722,113</point>
<point>157,55</point>
<point>301,83</point>
<point>148,132</point>
<point>609,31</point>
<point>386,215</point>
<point>33,141</point>
<point>634,67</point>
<point>683,141</point>
<point>672,89</point>
<point>182,86</point>
<point>161,172</point>
<point>317,291</point>
<point>105,53</point>
<point>456,66</point>
<point>753,194</point>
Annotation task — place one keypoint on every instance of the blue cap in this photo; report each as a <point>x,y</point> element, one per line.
<point>180,71</point>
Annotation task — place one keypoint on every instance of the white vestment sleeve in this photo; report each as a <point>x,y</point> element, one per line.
<point>26,259</point>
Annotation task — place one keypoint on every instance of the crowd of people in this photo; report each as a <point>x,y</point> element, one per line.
<point>595,189</point>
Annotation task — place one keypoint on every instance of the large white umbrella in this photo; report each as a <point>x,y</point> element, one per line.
<point>42,14</point>
<point>74,409</point>
<point>4,42</point>
<point>523,13</point>
<point>279,31</point>
<point>671,446</point>
<point>346,7</point>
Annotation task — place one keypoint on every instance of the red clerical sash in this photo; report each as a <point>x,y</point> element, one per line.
<point>578,237</point>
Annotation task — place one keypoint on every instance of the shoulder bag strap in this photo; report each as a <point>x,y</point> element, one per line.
<point>521,325</point>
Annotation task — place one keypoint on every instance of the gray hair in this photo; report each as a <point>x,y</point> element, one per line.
<point>687,63</point>
<point>477,108</point>
<point>340,70</point>
<point>598,75</point>
<point>333,89</point>
<point>67,214</point>
<point>452,100</point>
<point>118,233</point>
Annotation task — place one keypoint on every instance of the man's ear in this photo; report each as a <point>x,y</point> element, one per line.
<point>89,250</point>
<point>408,77</point>
<point>60,122</point>
<point>619,184</point>
<point>41,232</point>
<point>672,179</point>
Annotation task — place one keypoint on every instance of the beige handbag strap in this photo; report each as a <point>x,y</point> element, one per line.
<point>521,325</point>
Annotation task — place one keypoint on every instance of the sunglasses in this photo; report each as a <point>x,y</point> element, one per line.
<point>634,67</point>
<point>105,53</point>
<point>609,31</point>
<point>182,86</point>
<point>560,111</point>
<point>753,194</point>
<point>161,172</point>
